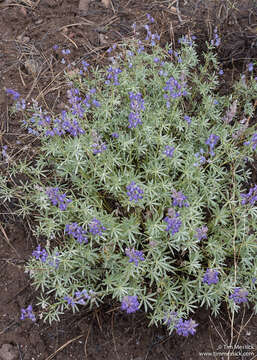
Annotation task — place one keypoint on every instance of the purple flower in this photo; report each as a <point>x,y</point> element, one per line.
<point>179,199</point>
<point>173,221</point>
<point>115,135</point>
<point>14,93</point>
<point>136,105</point>
<point>40,254</point>
<point>212,141</point>
<point>130,304</point>
<point>199,156</point>
<point>251,197</point>
<point>150,18</point>
<point>66,51</point>
<point>134,192</point>
<point>77,232</point>
<point>134,255</point>
<point>239,295</point>
<point>221,72</point>
<point>250,67</point>
<point>55,47</point>
<point>174,90</point>
<point>211,277</point>
<point>216,40</point>
<point>188,119</point>
<point>169,150</point>
<point>96,228</point>
<point>186,327</point>
<point>252,142</point>
<point>28,313</point>
<point>201,233</point>
<point>98,146</point>
<point>57,198</point>
<point>80,298</point>
<point>113,75</point>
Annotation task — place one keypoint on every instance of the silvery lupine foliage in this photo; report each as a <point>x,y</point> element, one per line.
<point>145,195</point>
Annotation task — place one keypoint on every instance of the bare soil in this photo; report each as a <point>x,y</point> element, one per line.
<point>28,64</point>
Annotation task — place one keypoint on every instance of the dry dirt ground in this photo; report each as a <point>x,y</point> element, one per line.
<point>28,31</point>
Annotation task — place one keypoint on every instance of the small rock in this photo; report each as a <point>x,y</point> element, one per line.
<point>8,352</point>
<point>31,66</point>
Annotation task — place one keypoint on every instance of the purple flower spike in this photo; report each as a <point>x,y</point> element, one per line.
<point>40,254</point>
<point>169,150</point>
<point>136,105</point>
<point>250,67</point>
<point>186,327</point>
<point>173,221</point>
<point>212,141</point>
<point>28,313</point>
<point>80,298</point>
<point>96,228</point>
<point>179,199</point>
<point>14,93</point>
<point>201,233</point>
<point>134,192</point>
<point>239,295</point>
<point>211,277</point>
<point>251,197</point>
<point>130,304</point>
<point>115,135</point>
<point>57,198</point>
<point>77,232</point>
<point>134,255</point>
<point>252,142</point>
<point>188,119</point>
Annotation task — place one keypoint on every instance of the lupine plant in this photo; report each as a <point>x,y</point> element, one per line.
<point>142,191</point>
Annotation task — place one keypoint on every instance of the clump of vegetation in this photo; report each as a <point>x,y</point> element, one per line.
<point>144,187</point>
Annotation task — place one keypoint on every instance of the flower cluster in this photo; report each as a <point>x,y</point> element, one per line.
<point>98,146</point>
<point>174,90</point>
<point>77,232</point>
<point>169,150</point>
<point>136,105</point>
<point>173,221</point>
<point>212,141</point>
<point>179,199</point>
<point>96,228</point>
<point>186,327</point>
<point>28,314</point>
<point>134,255</point>
<point>150,36</point>
<point>130,304</point>
<point>89,101</point>
<point>201,159</point>
<point>75,100</point>
<point>216,39</point>
<point>20,105</point>
<point>40,254</point>
<point>251,197</point>
<point>201,233</point>
<point>239,295</point>
<point>57,198</point>
<point>211,277</point>
<point>134,192</point>
<point>113,74</point>
<point>252,142</point>
<point>80,298</point>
